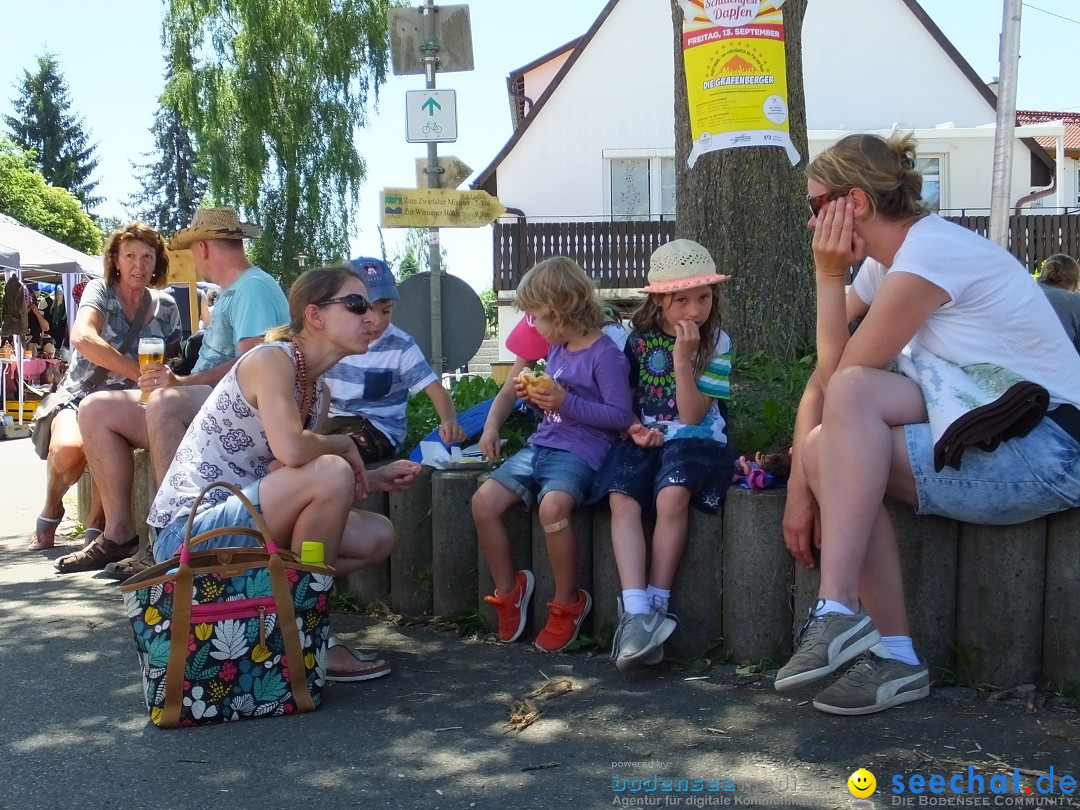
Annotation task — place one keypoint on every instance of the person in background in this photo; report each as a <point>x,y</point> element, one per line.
<point>1059,280</point>
<point>369,392</point>
<point>613,327</point>
<point>15,323</point>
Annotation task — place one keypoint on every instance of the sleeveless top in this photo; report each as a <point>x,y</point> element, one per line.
<point>226,442</point>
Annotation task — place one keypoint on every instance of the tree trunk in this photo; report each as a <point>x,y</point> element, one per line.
<point>747,206</point>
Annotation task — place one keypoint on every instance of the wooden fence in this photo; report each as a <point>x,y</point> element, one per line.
<point>616,254</point>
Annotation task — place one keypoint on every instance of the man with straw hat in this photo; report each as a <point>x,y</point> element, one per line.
<point>250,304</point>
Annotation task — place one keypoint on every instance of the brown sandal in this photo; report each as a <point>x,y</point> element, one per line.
<point>130,566</point>
<point>97,555</point>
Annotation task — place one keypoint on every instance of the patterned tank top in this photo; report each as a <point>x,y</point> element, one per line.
<point>226,442</point>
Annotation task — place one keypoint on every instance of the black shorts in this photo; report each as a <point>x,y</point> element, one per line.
<point>701,465</point>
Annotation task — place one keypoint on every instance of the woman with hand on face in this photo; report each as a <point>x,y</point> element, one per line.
<point>136,267</point>
<point>258,430</point>
<point>862,432</point>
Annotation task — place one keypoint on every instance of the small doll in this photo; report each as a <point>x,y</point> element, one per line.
<point>763,471</point>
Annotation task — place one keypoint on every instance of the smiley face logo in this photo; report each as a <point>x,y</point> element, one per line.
<point>861,783</point>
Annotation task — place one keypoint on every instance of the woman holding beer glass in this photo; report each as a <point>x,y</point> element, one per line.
<point>126,299</point>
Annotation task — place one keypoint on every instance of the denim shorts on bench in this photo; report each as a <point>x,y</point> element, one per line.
<point>229,512</point>
<point>533,472</point>
<point>1023,479</point>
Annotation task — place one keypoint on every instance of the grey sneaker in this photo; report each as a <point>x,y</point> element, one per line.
<point>824,643</point>
<point>639,638</point>
<point>874,683</point>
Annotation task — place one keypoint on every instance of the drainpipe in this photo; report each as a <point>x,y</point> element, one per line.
<point>1037,194</point>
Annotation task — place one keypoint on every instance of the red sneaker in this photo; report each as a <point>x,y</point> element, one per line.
<point>513,607</point>
<point>564,622</point>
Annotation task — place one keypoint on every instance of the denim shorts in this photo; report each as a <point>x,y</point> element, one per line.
<point>535,471</point>
<point>702,466</point>
<point>1023,479</point>
<point>230,512</point>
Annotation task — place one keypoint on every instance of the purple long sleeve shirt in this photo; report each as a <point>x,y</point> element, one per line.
<point>598,401</point>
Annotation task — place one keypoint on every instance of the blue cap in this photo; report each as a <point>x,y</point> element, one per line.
<point>377,277</point>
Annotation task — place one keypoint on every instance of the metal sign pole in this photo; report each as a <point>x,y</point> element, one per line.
<point>431,60</point>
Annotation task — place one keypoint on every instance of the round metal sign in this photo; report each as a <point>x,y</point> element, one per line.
<point>463,320</point>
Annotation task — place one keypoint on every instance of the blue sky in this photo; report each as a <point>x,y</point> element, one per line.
<point>112,59</point>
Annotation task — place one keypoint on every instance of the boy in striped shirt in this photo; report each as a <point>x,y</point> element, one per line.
<point>369,392</point>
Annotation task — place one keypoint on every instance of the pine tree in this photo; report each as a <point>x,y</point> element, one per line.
<point>45,124</point>
<point>171,186</point>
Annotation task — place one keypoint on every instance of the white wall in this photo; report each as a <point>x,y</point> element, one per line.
<point>537,79</point>
<point>617,95</point>
<point>869,65</point>
<point>892,72</point>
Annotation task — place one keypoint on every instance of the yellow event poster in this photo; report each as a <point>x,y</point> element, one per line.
<point>736,76</point>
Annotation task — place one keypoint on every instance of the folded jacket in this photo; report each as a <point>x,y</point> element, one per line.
<point>979,405</point>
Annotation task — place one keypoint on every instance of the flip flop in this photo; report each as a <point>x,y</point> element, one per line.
<point>43,525</point>
<point>97,555</point>
<point>377,670</point>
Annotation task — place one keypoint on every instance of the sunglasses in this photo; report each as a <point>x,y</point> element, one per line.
<point>816,202</point>
<point>354,302</point>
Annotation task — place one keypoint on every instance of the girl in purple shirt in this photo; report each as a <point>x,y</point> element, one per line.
<point>584,412</point>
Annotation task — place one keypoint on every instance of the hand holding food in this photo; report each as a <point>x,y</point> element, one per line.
<point>534,382</point>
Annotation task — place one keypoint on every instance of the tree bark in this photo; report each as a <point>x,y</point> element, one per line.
<point>747,206</point>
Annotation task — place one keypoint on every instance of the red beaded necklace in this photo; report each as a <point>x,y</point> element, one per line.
<point>304,395</point>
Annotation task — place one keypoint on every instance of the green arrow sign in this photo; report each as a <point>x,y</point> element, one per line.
<point>431,105</point>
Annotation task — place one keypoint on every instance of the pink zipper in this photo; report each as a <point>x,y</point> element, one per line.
<point>239,609</point>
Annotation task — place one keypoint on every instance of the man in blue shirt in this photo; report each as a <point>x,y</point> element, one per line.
<point>250,303</point>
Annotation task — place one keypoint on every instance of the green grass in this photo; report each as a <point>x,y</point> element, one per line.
<point>765,393</point>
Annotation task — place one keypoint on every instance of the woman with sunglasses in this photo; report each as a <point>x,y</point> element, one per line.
<point>862,432</point>
<point>258,430</point>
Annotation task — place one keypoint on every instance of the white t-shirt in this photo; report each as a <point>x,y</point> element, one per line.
<point>997,313</point>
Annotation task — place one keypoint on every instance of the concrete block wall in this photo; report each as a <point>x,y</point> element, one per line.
<point>997,604</point>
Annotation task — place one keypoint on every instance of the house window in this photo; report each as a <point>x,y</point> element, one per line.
<point>930,168</point>
<point>641,187</point>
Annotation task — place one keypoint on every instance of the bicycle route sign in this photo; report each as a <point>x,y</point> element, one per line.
<point>438,208</point>
<point>430,116</point>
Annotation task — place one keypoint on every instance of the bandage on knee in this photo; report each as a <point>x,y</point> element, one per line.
<point>558,526</point>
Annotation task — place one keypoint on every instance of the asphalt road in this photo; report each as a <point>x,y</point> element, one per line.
<point>435,734</point>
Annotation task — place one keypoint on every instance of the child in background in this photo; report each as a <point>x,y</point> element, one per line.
<point>583,413</point>
<point>677,455</point>
<point>369,392</point>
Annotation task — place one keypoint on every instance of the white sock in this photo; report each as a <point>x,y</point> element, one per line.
<point>829,606</point>
<point>635,600</point>
<point>659,598</point>
<point>898,647</point>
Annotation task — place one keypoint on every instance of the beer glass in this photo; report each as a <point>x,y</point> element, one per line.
<point>151,350</point>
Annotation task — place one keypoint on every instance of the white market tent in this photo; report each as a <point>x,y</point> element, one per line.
<point>35,257</point>
<point>42,258</point>
<point>9,257</point>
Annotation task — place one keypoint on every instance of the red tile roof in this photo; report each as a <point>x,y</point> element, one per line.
<point>1049,143</point>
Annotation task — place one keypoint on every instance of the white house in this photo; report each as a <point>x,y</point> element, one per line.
<point>584,110</point>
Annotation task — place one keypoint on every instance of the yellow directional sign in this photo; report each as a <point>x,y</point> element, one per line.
<point>454,172</point>
<point>438,208</point>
